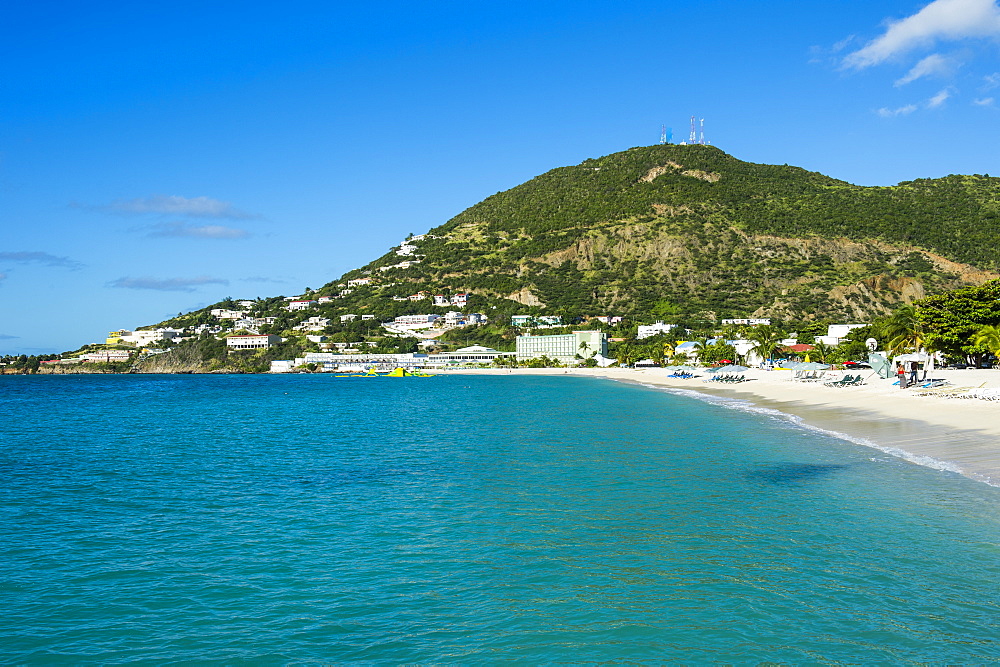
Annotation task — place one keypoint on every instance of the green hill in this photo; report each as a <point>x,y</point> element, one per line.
<point>674,230</point>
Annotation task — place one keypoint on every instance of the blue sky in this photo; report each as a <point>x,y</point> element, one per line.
<point>157,157</point>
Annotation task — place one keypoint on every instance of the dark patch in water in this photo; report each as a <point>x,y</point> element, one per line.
<point>791,473</point>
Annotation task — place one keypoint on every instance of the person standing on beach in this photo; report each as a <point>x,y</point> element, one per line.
<point>901,374</point>
<point>913,372</point>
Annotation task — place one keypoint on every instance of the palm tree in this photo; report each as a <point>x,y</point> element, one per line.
<point>700,347</point>
<point>655,352</point>
<point>904,330</point>
<point>822,350</point>
<point>766,339</point>
<point>988,337</point>
<point>584,347</point>
<point>626,355</point>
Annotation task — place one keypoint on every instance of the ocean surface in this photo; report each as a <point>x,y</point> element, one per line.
<point>470,519</point>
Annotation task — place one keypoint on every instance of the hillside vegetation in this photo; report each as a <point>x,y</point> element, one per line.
<point>683,231</point>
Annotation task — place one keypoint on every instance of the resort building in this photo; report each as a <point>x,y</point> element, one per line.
<point>105,356</point>
<point>358,282</point>
<point>521,320</point>
<point>417,320</point>
<point>300,304</point>
<point>115,337</point>
<point>649,330</point>
<point>226,314</point>
<point>835,332</point>
<point>259,342</point>
<point>329,361</point>
<point>474,354</point>
<point>563,348</point>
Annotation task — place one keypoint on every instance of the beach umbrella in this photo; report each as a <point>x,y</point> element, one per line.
<point>731,369</point>
<point>880,365</point>
<point>813,366</point>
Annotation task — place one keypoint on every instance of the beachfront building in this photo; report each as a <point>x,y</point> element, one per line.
<point>649,330</point>
<point>563,348</point>
<point>330,361</point>
<point>105,356</point>
<point>258,342</point>
<point>835,332</point>
<point>474,354</point>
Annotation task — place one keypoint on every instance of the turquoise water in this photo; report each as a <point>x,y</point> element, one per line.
<point>310,519</point>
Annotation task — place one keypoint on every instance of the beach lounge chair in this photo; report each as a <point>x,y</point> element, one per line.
<point>955,392</point>
<point>847,379</point>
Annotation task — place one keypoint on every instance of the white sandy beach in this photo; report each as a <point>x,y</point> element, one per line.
<point>962,435</point>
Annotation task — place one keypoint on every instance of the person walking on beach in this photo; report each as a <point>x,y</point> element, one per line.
<point>913,372</point>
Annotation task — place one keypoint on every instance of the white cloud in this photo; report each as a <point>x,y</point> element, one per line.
<point>44,258</point>
<point>991,81</point>
<point>940,20</point>
<point>885,112</point>
<point>183,229</point>
<point>984,102</point>
<point>933,65</point>
<point>167,284</point>
<point>939,99</point>
<point>196,207</point>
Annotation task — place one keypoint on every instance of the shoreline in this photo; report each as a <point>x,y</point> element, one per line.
<point>961,436</point>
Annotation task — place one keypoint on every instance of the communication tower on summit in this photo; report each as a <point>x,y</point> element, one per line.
<point>693,138</point>
<point>702,141</point>
<point>663,134</point>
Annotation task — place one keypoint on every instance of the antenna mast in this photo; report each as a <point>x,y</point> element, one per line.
<point>663,134</point>
<point>693,138</point>
<point>702,131</point>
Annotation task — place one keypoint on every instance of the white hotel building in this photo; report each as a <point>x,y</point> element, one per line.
<point>563,348</point>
